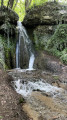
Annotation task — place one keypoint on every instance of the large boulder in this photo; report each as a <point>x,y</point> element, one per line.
<point>8,21</point>
<point>6,14</point>
<point>45,61</point>
<point>51,13</point>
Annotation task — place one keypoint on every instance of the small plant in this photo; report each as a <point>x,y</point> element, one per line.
<point>21,100</point>
<point>56,77</point>
<point>64,58</point>
<point>1,117</point>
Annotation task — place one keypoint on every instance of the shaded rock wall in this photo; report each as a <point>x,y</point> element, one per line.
<point>24,55</point>
<point>8,33</point>
<point>8,21</point>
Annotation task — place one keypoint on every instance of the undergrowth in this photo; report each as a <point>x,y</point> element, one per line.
<point>57,45</point>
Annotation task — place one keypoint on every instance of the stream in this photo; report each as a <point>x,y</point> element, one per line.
<point>45,100</point>
<point>45,95</point>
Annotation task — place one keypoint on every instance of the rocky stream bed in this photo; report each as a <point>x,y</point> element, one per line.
<point>45,93</point>
<point>49,103</point>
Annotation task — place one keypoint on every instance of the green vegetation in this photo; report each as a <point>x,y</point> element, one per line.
<point>20,9</point>
<point>37,2</point>
<point>8,51</point>
<point>21,100</point>
<point>1,117</point>
<point>57,45</point>
<point>55,77</point>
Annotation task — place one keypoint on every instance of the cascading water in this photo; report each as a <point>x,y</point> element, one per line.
<point>17,55</point>
<point>26,88</point>
<point>31,61</point>
<point>27,45</point>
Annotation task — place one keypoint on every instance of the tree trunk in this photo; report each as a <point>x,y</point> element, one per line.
<point>27,4</point>
<point>2,3</point>
<point>10,3</point>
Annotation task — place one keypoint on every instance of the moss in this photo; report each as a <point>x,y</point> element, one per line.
<point>21,100</point>
<point>58,43</point>
<point>42,34</point>
<point>59,39</point>
<point>9,51</point>
<point>1,117</point>
<point>56,77</point>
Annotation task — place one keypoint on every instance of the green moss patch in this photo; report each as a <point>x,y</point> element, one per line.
<point>57,45</point>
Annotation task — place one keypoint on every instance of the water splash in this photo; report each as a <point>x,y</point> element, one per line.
<point>26,88</point>
<point>31,62</point>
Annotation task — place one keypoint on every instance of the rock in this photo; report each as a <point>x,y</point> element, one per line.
<point>8,21</point>
<point>6,14</point>
<point>47,62</point>
<point>46,24</point>
<point>24,55</point>
<point>51,13</point>
<point>42,34</point>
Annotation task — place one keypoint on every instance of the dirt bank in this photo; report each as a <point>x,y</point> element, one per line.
<point>10,106</point>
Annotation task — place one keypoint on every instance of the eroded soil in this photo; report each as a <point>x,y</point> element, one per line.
<point>10,108</point>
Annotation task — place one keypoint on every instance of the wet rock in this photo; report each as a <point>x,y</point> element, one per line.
<point>24,55</point>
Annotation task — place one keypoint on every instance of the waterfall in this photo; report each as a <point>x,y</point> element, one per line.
<point>27,46</point>
<point>18,46</point>
<point>17,55</point>
<point>31,62</point>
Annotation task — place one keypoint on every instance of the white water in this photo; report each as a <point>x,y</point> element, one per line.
<point>17,55</point>
<point>26,88</point>
<point>27,45</point>
<point>31,62</point>
<point>18,47</point>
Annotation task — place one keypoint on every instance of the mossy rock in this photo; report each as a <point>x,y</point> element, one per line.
<point>42,34</point>
<point>57,45</point>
